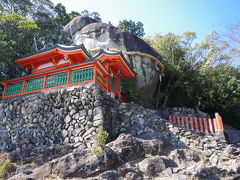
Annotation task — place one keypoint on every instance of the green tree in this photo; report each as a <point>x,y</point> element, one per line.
<point>42,12</point>
<point>100,140</point>
<point>73,14</point>
<point>26,7</point>
<point>62,17</point>
<point>177,68</point>
<point>16,38</point>
<point>96,16</point>
<point>199,75</point>
<point>133,27</point>
<point>233,36</point>
<point>221,88</point>
<point>93,15</point>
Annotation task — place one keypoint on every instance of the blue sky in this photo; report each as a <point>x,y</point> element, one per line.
<point>163,16</point>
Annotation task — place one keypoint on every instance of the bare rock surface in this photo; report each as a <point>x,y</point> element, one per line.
<point>120,162</point>
<point>152,165</point>
<point>76,24</point>
<point>127,147</point>
<point>95,35</point>
<point>116,37</point>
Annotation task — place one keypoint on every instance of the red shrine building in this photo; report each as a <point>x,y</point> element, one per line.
<point>62,66</point>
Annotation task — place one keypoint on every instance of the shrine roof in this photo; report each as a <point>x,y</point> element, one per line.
<point>54,52</point>
<point>116,60</point>
<point>57,46</point>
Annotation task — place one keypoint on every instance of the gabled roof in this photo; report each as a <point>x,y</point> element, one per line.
<point>56,51</point>
<point>76,54</point>
<point>116,61</point>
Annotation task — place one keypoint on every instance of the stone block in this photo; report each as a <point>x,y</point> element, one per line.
<point>98,123</point>
<point>98,110</point>
<point>97,117</point>
<point>67,119</point>
<point>82,113</point>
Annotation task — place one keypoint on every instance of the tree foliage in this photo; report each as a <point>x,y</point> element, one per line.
<point>198,75</point>
<point>16,35</point>
<point>22,21</point>
<point>93,15</point>
<point>233,36</point>
<point>133,27</point>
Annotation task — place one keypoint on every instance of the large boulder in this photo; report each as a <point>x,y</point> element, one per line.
<point>76,24</point>
<point>127,147</point>
<point>107,36</point>
<point>78,164</point>
<point>140,56</point>
<point>152,165</point>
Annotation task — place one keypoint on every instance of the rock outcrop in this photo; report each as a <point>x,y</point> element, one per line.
<point>140,56</point>
<point>127,158</point>
<point>76,23</point>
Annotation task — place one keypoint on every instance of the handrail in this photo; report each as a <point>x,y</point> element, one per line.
<point>68,76</point>
<point>85,65</point>
<point>53,79</point>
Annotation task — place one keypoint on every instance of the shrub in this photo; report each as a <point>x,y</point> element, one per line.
<point>6,168</point>
<point>131,94</point>
<point>100,141</point>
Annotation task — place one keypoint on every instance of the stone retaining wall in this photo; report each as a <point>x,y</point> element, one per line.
<point>61,117</point>
<point>189,112</point>
<point>59,121</point>
<point>136,120</point>
<point>148,123</point>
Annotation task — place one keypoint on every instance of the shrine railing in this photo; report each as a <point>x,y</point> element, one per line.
<point>206,125</point>
<point>71,75</point>
<point>54,79</point>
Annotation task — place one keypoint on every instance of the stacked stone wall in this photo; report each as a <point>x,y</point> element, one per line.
<point>148,123</point>
<point>188,112</point>
<point>66,117</point>
<point>60,121</point>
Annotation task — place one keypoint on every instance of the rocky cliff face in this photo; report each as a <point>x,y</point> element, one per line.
<point>131,158</point>
<point>141,57</point>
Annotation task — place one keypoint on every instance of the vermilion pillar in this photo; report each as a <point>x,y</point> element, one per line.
<point>196,124</point>
<point>205,125</point>
<point>183,121</point>
<point>68,76</point>
<point>215,125</point>
<point>210,125</point>
<point>187,123</point>
<point>23,85</point>
<point>44,81</point>
<point>174,119</point>
<point>4,89</point>
<point>219,122</point>
<point>191,123</point>
<point>178,120</point>
<point>201,124</point>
